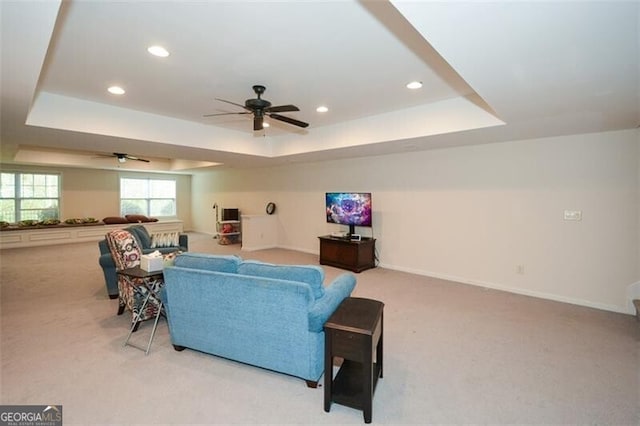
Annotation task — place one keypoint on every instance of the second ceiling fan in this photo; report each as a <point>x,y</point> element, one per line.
<point>260,107</point>
<point>122,157</point>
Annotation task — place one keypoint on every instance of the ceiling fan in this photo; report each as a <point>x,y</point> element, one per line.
<point>260,107</point>
<point>122,157</point>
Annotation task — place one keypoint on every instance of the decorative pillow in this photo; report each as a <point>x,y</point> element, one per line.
<point>137,218</point>
<point>165,239</point>
<point>209,262</point>
<point>310,274</point>
<point>124,249</point>
<point>111,220</point>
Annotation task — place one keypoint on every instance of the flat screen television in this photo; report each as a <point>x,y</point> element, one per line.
<point>349,208</point>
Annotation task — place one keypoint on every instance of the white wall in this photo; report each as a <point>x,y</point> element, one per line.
<point>472,214</point>
<point>634,289</point>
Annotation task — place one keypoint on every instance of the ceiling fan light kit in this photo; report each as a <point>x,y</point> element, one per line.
<point>260,108</point>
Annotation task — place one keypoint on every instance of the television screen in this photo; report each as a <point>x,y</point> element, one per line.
<point>349,208</point>
<point>230,214</point>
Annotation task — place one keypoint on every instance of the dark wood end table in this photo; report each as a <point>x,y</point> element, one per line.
<point>354,333</point>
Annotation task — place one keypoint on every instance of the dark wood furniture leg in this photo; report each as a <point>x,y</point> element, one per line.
<point>328,372</point>
<point>379,359</point>
<point>367,382</point>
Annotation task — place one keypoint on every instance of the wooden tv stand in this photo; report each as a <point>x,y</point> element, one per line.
<point>355,256</point>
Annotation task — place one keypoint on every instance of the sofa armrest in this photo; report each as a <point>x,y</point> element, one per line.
<point>326,305</point>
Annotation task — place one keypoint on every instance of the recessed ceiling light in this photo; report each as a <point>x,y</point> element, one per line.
<point>265,124</point>
<point>158,51</point>
<point>414,85</point>
<point>116,90</point>
<point>322,109</point>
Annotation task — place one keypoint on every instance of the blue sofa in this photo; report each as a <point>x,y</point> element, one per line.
<point>270,316</point>
<point>144,240</point>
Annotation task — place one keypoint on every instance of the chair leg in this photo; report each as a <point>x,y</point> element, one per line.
<point>121,307</point>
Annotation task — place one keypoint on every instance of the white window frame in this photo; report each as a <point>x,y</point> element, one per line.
<point>147,198</point>
<point>19,199</point>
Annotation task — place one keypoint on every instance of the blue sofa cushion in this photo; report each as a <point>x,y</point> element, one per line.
<point>310,274</point>
<point>209,262</point>
<point>141,233</point>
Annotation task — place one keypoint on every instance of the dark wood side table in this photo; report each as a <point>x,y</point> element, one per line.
<point>354,333</point>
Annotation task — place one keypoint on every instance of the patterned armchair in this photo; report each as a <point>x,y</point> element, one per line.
<point>126,254</point>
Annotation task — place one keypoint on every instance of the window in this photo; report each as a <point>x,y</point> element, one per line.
<point>149,197</point>
<point>29,196</point>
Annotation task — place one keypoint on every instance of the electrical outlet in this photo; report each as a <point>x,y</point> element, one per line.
<point>573,215</point>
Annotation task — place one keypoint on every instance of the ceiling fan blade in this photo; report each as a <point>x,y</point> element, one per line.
<point>258,121</point>
<point>282,108</point>
<point>225,113</point>
<point>130,157</point>
<point>232,103</point>
<point>289,120</point>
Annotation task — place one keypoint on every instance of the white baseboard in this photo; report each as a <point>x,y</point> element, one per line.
<point>541,295</point>
<point>633,292</point>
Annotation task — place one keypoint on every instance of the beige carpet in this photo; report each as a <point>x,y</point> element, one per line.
<point>454,354</point>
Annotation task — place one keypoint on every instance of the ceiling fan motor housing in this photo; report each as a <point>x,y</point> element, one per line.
<point>257,104</point>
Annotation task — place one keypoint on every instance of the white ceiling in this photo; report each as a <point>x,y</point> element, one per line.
<point>492,71</point>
